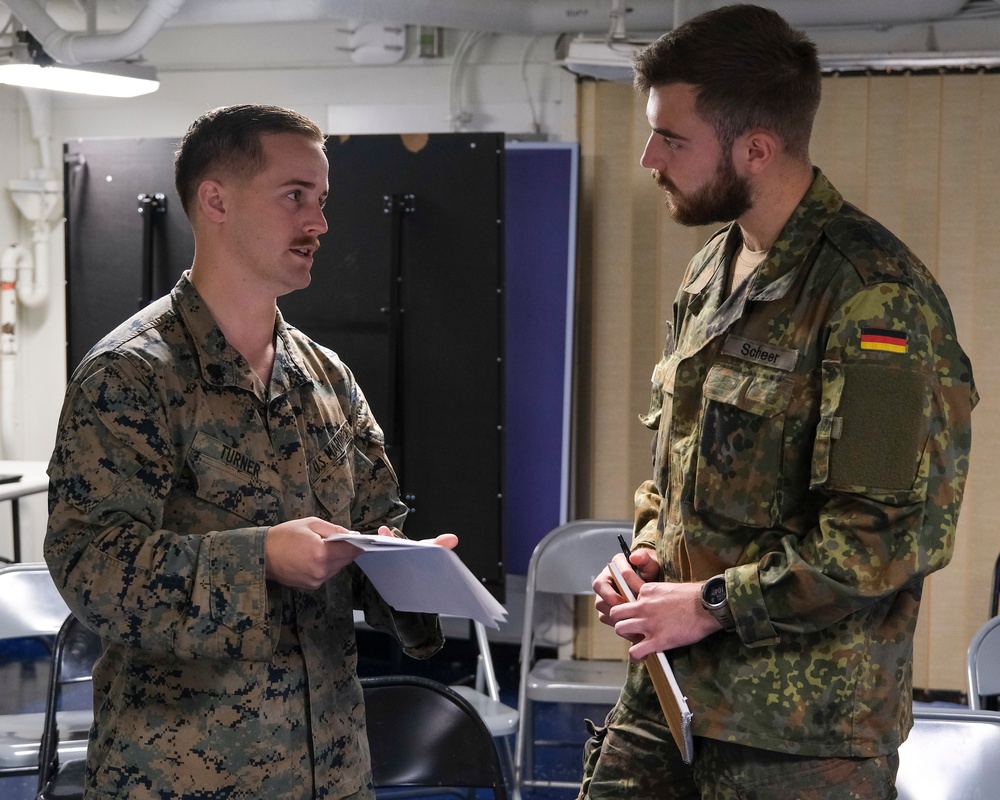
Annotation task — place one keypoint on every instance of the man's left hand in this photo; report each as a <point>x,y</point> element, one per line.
<point>663,616</point>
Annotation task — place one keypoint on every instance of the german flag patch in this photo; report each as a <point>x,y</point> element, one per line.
<point>880,339</point>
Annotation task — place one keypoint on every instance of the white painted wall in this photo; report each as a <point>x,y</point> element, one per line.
<point>297,65</point>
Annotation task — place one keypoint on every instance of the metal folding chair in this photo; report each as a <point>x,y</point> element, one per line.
<point>565,562</point>
<point>499,717</point>
<point>62,756</point>
<point>982,663</point>
<point>31,612</point>
<point>950,754</point>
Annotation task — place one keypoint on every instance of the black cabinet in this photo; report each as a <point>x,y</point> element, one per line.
<point>407,288</point>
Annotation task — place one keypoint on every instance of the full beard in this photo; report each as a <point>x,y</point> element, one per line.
<point>725,198</point>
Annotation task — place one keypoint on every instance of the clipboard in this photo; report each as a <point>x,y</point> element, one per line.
<point>672,700</point>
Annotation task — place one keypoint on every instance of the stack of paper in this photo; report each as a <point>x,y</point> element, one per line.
<point>424,577</point>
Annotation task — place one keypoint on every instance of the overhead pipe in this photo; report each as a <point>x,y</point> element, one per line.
<point>532,17</point>
<point>69,47</point>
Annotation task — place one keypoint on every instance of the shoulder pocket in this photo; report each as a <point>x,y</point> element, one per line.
<point>874,425</point>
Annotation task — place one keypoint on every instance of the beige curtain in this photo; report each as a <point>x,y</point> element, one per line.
<point>919,153</point>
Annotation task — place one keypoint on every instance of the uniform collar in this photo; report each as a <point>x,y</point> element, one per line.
<point>221,363</point>
<point>775,275</point>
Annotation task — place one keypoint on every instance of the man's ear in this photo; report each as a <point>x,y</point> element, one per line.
<point>211,200</point>
<point>755,151</point>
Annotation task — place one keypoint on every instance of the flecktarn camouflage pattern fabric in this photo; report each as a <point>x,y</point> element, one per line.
<point>812,443</point>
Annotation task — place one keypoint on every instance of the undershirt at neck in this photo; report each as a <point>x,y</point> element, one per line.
<point>744,263</point>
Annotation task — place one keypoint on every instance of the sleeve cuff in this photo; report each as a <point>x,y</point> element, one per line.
<point>238,595</point>
<point>746,601</point>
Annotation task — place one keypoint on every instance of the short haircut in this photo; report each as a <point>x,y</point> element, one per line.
<point>227,140</point>
<point>750,70</point>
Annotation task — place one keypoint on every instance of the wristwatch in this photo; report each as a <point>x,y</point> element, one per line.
<point>713,600</point>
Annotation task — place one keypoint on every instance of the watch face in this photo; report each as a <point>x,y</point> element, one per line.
<point>715,591</point>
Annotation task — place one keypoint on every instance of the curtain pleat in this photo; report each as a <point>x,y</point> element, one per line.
<point>918,152</point>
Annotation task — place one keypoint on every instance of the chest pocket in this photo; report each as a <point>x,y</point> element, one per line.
<point>234,482</point>
<point>740,444</point>
<point>333,469</point>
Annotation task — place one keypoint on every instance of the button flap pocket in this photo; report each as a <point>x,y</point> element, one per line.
<point>234,481</point>
<point>762,393</point>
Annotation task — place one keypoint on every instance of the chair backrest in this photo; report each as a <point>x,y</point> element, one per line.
<point>568,559</point>
<point>995,594</point>
<point>983,664</point>
<point>30,605</point>
<point>423,734</point>
<point>950,754</point>
<point>76,651</point>
<point>566,562</point>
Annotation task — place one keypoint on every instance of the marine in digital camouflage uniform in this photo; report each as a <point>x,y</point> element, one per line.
<point>812,441</point>
<point>172,461</point>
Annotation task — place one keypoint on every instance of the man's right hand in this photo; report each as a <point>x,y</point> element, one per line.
<point>296,555</point>
<point>642,566</point>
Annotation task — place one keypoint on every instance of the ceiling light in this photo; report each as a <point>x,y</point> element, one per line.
<point>108,78</point>
<point>27,64</point>
<point>601,59</point>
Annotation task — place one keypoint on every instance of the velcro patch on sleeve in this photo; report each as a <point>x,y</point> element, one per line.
<point>885,428</point>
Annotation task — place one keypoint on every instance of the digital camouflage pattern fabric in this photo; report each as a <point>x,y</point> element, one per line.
<point>812,441</point>
<point>171,461</point>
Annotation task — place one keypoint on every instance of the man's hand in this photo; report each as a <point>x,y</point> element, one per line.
<point>445,540</point>
<point>296,555</point>
<point>640,567</point>
<point>663,616</point>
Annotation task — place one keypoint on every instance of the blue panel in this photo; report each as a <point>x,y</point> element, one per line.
<point>540,253</point>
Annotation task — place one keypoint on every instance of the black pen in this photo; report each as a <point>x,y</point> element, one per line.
<point>625,548</point>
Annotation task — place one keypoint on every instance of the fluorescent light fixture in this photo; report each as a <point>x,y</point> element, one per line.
<point>107,78</point>
<point>612,61</point>
<point>601,59</point>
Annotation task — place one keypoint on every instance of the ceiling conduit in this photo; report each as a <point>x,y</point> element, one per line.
<point>539,17</point>
<point>80,48</point>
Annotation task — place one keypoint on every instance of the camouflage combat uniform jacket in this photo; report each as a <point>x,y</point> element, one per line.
<point>171,461</point>
<point>813,433</point>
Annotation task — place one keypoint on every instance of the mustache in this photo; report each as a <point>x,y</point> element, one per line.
<point>307,241</point>
<point>663,182</point>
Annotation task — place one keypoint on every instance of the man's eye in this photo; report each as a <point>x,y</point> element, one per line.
<point>294,195</point>
<point>673,144</point>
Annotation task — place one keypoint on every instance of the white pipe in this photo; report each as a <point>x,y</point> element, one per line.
<point>40,112</point>
<point>532,17</point>
<point>14,259</point>
<point>33,279</point>
<point>79,48</point>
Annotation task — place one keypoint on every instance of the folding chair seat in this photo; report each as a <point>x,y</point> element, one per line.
<point>950,754</point>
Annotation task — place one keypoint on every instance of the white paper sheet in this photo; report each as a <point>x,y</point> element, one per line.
<point>424,577</point>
